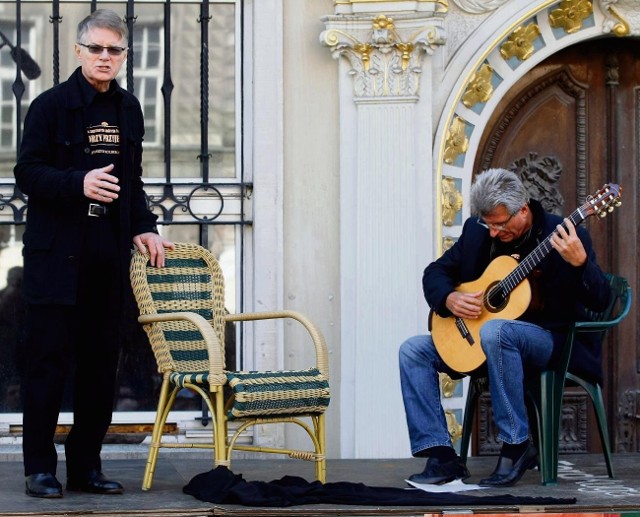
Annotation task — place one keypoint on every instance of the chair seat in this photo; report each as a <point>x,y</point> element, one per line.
<point>182,380</point>
<point>268,393</point>
<point>289,392</point>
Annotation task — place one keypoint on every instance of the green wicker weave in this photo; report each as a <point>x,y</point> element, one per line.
<point>182,311</point>
<point>278,393</point>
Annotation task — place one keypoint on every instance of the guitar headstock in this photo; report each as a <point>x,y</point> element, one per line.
<point>605,200</point>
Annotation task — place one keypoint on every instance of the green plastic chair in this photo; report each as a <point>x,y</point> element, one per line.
<point>546,392</point>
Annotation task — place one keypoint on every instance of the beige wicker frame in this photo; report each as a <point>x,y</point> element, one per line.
<point>176,315</point>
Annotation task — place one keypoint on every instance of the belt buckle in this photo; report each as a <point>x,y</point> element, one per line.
<point>95,210</point>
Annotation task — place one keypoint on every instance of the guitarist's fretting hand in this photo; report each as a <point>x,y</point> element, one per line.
<point>465,305</point>
<point>568,244</point>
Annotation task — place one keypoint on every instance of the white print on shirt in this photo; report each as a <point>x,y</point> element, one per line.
<point>104,139</point>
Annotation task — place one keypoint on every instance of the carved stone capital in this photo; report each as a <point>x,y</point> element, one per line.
<point>479,6</point>
<point>385,53</point>
<point>390,6</point>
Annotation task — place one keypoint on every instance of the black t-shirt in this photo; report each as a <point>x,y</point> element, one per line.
<point>103,131</point>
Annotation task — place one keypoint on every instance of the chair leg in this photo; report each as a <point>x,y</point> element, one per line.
<point>595,393</point>
<point>321,465</point>
<point>164,405</point>
<point>598,405</point>
<point>549,414</point>
<point>467,422</point>
<point>222,457</point>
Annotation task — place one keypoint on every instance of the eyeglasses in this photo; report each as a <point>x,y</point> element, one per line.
<point>98,49</point>
<point>495,227</point>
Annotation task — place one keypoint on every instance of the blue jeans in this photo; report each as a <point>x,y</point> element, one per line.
<point>511,348</point>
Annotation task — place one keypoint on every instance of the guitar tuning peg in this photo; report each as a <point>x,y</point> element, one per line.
<point>618,203</point>
<point>602,214</point>
<point>610,209</point>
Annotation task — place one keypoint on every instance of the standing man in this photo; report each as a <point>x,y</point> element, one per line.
<point>566,282</point>
<point>80,164</point>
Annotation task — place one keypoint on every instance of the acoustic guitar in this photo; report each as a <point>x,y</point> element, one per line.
<point>506,292</point>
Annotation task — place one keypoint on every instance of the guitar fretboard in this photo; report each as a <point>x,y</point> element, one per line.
<point>511,281</point>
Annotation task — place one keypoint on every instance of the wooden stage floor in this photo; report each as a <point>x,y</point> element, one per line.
<point>582,477</point>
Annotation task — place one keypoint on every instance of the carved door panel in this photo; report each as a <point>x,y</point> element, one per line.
<point>571,125</point>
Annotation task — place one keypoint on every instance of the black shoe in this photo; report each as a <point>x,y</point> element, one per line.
<point>437,473</point>
<point>94,483</point>
<point>508,473</point>
<point>44,485</point>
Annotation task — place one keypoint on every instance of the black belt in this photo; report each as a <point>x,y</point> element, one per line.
<point>96,210</point>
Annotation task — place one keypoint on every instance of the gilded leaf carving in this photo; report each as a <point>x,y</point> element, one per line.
<point>479,88</point>
<point>448,385</point>
<point>453,426</point>
<point>457,142</point>
<point>520,42</point>
<point>451,201</point>
<point>570,14</point>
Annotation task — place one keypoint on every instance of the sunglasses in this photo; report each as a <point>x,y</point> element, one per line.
<point>97,49</point>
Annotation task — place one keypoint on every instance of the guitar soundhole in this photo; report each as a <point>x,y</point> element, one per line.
<point>495,298</point>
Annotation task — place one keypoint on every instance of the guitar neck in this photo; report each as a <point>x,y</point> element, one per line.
<point>525,267</point>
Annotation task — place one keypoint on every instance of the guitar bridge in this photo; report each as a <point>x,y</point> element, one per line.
<point>464,331</point>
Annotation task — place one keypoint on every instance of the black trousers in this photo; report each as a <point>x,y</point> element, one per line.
<point>86,336</point>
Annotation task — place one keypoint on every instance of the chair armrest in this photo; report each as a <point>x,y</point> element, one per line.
<point>322,355</point>
<point>209,335</point>
<point>597,326</point>
<point>622,292</point>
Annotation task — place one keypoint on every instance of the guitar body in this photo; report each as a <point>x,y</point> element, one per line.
<point>464,354</point>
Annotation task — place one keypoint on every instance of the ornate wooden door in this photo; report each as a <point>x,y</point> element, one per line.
<point>571,125</point>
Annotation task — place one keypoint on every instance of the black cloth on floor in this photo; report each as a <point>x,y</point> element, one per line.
<point>222,486</point>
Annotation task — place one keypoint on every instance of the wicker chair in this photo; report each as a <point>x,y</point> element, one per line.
<point>182,311</point>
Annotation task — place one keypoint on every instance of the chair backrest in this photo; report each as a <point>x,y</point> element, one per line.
<point>600,322</point>
<point>190,281</point>
<point>620,297</point>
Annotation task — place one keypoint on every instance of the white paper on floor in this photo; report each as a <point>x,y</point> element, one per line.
<point>454,486</point>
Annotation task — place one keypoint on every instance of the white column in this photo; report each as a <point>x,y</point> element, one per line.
<point>386,216</point>
<point>264,155</point>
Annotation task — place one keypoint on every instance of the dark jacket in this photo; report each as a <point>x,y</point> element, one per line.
<point>52,163</point>
<point>564,291</point>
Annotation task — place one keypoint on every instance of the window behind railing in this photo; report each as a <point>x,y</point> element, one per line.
<point>147,46</point>
<point>183,66</point>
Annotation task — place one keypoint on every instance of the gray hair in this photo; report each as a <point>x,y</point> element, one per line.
<point>495,187</point>
<point>102,19</point>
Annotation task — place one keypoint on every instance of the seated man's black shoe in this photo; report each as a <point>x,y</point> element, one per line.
<point>95,483</point>
<point>44,485</point>
<point>438,473</point>
<point>508,473</point>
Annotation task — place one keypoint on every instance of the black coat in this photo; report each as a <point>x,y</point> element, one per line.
<point>52,163</point>
<point>565,291</point>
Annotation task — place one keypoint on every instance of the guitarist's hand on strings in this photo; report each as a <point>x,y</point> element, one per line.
<point>465,305</point>
<point>566,242</point>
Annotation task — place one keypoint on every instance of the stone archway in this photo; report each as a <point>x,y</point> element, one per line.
<point>508,49</point>
<point>490,63</point>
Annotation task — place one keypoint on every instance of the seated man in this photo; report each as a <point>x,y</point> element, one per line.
<point>567,281</point>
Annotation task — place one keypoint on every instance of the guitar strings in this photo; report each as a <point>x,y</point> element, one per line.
<point>513,279</point>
